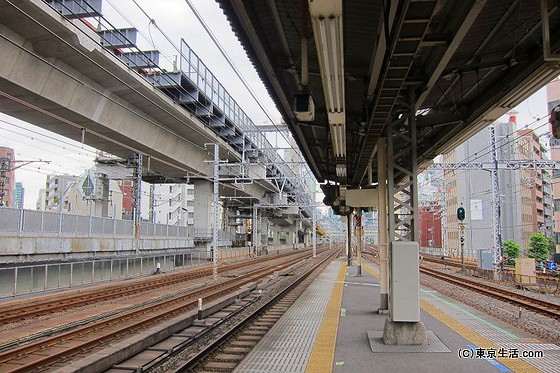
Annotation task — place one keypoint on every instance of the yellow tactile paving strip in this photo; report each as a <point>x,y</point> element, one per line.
<point>322,354</point>
<point>516,365</point>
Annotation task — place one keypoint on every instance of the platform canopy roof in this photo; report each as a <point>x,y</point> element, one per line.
<point>462,64</point>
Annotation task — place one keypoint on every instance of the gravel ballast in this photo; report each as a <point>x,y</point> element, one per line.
<point>543,327</point>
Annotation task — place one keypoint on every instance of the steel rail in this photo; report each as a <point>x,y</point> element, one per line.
<point>11,313</point>
<point>536,305</point>
<point>136,319</point>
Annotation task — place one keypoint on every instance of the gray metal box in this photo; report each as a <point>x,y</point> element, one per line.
<point>404,295</point>
<point>484,257</point>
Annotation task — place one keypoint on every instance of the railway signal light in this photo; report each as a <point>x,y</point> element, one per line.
<point>461,213</point>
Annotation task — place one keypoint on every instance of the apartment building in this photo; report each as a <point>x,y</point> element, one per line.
<point>7,176</point>
<point>174,204</point>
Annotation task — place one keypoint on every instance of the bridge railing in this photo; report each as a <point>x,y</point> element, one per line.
<point>18,280</point>
<point>23,223</point>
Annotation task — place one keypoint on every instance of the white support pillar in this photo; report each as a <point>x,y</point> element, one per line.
<point>349,238</point>
<point>314,224</point>
<point>382,224</point>
<point>203,195</point>
<point>359,234</point>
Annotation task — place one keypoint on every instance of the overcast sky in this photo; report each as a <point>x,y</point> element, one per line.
<point>177,21</point>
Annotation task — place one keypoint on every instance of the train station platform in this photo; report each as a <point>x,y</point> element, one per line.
<point>334,327</point>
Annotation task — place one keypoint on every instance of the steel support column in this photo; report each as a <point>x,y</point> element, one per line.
<point>403,325</point>
<point>403,196</point>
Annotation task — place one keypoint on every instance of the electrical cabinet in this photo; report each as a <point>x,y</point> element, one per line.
<point>404,295</point>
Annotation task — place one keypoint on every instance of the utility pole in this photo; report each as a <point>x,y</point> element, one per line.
<point>215,237</point>
<point>152,213</point>
<point>497,253</point>
<point>254,233</point>
<point>136,197</point>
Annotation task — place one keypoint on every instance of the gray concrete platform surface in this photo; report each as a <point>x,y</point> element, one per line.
<point>335,327</point>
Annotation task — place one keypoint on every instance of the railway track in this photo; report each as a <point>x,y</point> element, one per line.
<point>453,262</point>
<point>225,353</point>
<point>17,311</point>
<point>533,304</point>
<point>536,305</point>
<point>43,352</point>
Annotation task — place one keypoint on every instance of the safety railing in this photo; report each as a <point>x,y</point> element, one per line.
<point>22,223</point>
<point>18,280</point>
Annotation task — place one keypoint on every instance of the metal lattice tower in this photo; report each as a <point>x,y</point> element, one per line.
<point>496,230</point>
<point>403,196</point>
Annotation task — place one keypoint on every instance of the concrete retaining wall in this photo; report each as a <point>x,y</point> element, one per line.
<point>44,247</point>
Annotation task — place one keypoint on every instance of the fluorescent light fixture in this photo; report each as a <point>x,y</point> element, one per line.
<point>338,137</point>
<point>326,17</point>
<point>341,170</point>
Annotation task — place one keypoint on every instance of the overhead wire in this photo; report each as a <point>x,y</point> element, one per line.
<point>65,141</point>
<point>43,150</point>
<point>77,161</point>
<point>511,189</point>
<point>478,155</point>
